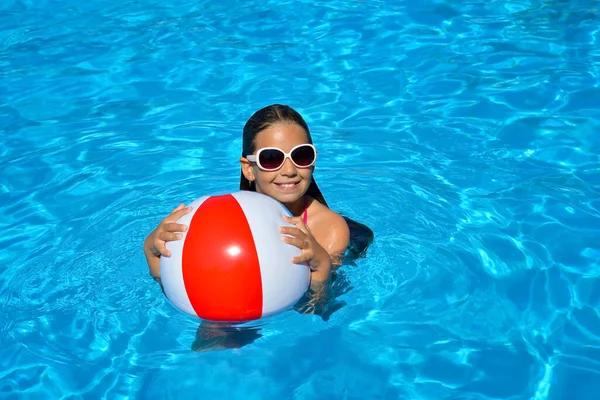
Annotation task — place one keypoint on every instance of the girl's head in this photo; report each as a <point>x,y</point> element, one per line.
<point>270,134</point>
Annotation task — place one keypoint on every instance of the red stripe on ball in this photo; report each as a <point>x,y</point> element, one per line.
<point>220,266</point>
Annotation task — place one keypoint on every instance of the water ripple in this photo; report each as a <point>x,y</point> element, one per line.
<point>464,134</point>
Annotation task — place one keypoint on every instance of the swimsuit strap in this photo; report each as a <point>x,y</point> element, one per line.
<point>305,214</point>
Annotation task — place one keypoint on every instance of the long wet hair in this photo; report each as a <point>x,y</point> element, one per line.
<point>360,234</point>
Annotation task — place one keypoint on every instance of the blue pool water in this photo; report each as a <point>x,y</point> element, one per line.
<point>465,134</point>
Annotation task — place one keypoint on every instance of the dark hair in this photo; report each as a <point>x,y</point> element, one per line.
<point>360,234</point>
<point>261,120</point>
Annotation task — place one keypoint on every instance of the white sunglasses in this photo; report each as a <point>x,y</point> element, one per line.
<point>272,158</point>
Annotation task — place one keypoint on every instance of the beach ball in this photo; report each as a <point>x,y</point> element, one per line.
<point>231,264</point>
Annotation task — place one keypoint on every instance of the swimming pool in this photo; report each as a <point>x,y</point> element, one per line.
<point>465,136</point>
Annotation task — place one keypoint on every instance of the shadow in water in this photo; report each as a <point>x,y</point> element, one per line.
<point>212,336</point>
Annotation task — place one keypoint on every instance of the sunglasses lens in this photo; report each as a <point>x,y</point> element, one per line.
<point>271,158</point>
<point>303,156</point>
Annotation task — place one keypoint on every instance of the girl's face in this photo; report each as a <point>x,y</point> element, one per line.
<point>289,182</point>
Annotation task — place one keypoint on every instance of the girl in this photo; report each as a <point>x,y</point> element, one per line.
<point>278,160</point>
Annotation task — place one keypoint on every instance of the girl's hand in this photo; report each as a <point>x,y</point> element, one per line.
<point>313,253</point>
<point>167,230</point>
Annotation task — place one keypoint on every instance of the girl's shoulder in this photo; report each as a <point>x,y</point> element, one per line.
<point>324,217</point>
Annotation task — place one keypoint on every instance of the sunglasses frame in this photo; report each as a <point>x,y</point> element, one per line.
<point>256,158</point>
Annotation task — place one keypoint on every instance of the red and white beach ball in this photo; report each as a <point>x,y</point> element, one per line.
<point>231,264</point>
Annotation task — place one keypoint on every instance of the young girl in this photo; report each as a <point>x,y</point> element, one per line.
<point>278,159</point>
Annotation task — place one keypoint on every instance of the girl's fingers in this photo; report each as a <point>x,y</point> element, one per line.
<point>295,241</point>
<point>291,230</point>
<point>293,220</point>
<point>300,259</point>
<point>162,249</point>
<point>176,214</point>
<point>175,227</point>
<point>297,221</point>
<point>179,207</point>
<point>169,236</point>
